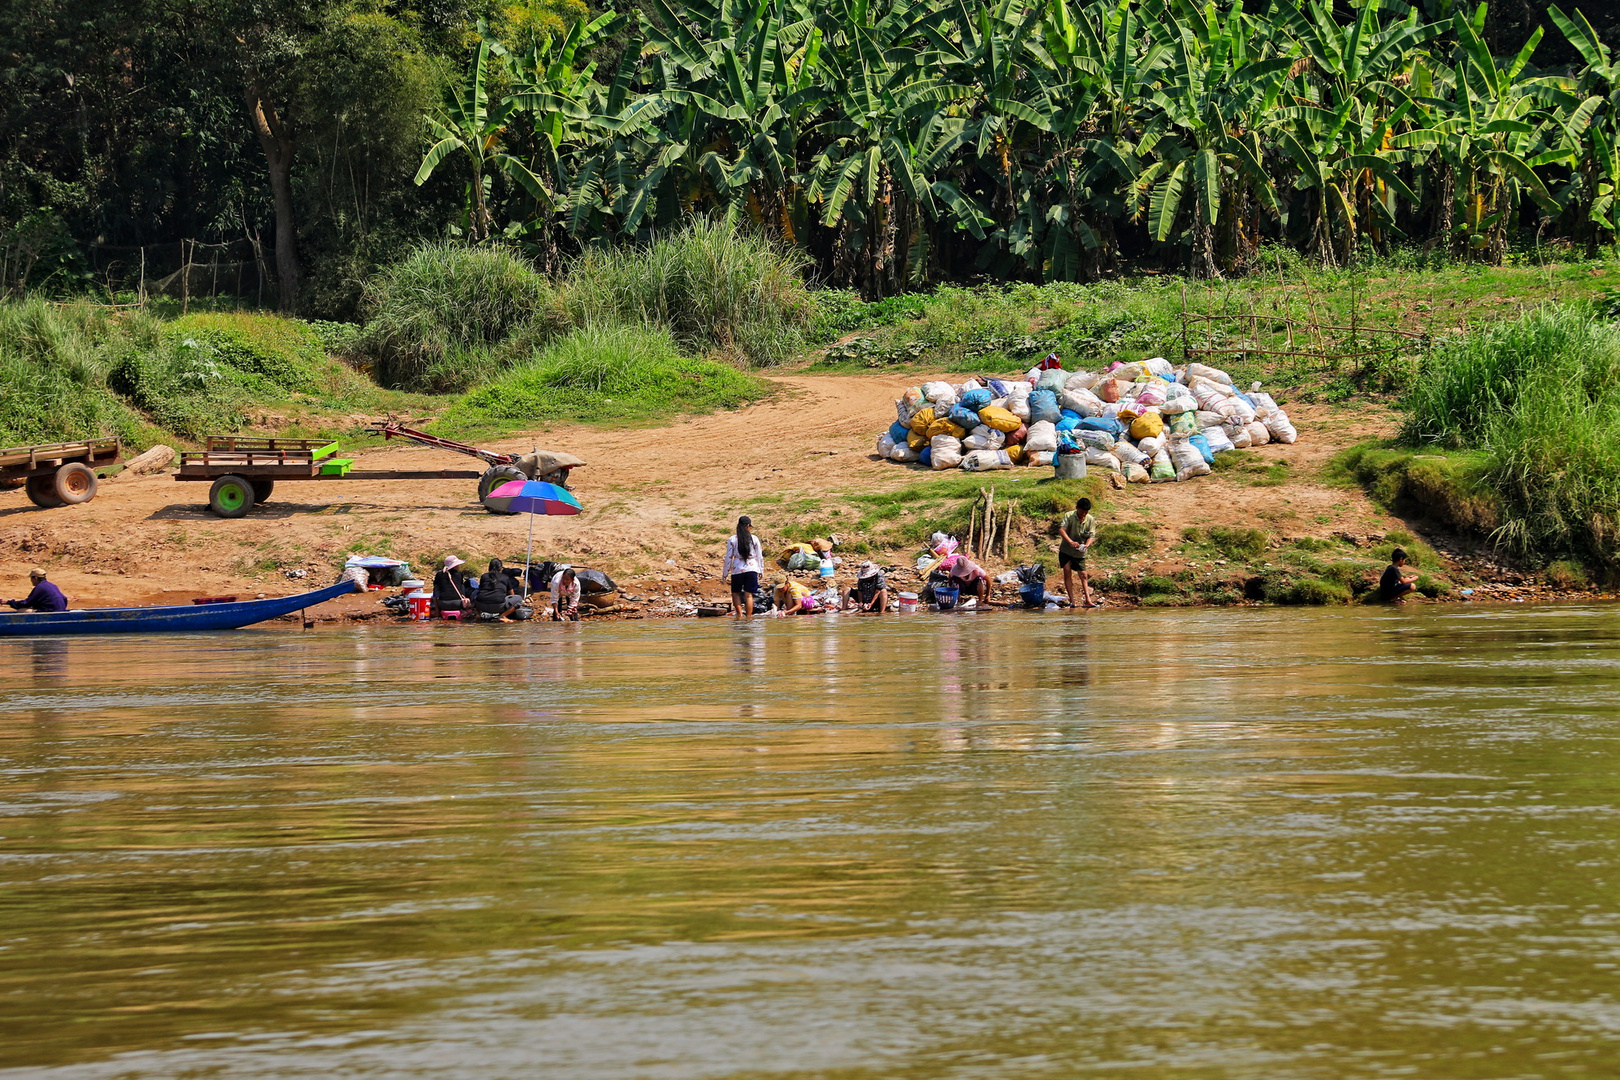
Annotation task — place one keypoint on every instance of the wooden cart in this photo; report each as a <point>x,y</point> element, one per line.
<point>59,474</point>
<point>244,471</point>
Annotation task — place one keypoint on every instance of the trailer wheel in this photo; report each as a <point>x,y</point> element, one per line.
<point>42,491</point>
<point>262,490</point>
<point>75,483</point>
<point>231,496</point>
<point>494,477</point>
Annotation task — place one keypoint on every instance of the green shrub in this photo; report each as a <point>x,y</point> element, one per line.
<point>1564,574</point>
<point>181,385</point>
<point>54,361</point>
<point>1239,543</point>
<point>1308,591</point>
<point>607,373</point>
<point>1123,538</point>
<point>711,285</point>
<point>266,351</point>
<point>439,315</point>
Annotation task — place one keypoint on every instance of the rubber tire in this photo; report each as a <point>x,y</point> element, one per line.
<point>556,476</point>
<point>75,483</point>
<point>231,496</point>
<point>41,491</point>
<point>262,490</point>
<point>494,477</point>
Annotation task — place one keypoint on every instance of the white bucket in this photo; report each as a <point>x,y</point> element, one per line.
<point>908,603</point>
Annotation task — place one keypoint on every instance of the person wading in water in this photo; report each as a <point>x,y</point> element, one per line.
<point>744,562</point>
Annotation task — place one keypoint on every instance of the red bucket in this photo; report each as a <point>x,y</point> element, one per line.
<point>419,602</point>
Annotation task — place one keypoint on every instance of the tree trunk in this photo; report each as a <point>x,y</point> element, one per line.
<point>278,146</point>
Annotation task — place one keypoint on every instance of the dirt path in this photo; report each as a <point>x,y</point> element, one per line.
<point>656,500</point>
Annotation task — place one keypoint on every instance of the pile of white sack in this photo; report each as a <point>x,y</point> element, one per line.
<point>1148,421</point>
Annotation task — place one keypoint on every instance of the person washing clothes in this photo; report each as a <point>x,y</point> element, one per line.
<point>743,563</point>
<point>871,591</point>
<point>565,595</point>
<point>497,597</point>
<point>450,590</point>
<point>43,597</point>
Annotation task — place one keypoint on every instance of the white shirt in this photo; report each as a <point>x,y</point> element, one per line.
<point>736,564</point>
<point>563,595</point>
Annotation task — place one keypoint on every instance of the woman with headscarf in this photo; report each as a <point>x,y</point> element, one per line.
<point>744,562</point>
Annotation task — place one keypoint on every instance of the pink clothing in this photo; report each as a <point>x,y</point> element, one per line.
<point>965,569</point>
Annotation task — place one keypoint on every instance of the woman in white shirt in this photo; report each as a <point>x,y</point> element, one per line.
<point>744,562</point>
<point>565,595</point>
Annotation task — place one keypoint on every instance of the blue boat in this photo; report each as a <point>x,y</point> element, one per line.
<point>162,620</point>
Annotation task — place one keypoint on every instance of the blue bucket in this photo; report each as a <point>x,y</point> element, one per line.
<point>1033,596</point>
<point>945,596</point>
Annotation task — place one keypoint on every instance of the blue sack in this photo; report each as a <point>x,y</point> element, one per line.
<point>966,419</point>
<point>926,457</point>
<point>975,400</point>
<point>998,388</point>
<point>1069,421</point>
<point>1202,446</point>
<point>1043,405</point>
<point>898,431</point>
<point>1102,423</point>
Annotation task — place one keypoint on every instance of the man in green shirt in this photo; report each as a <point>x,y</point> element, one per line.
<point>1079,531</point>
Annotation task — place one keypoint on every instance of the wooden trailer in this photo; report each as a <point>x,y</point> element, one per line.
<point>59,474</point>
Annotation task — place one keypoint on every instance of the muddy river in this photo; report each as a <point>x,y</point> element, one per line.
<point>1154,844</point>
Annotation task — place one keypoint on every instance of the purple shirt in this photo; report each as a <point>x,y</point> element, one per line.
<point>45,597</point>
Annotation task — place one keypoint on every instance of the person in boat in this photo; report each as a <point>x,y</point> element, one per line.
<point>871,591</point>
<point>451,591</point>
<point>497,597</point>
<point>1397,581</point>
<point>45,596</point>
<point>565,595</point>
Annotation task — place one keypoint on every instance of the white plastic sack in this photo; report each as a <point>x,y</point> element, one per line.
<point>1281,429</point>
<point>945,451</point>
<point>986,461</point>
<point>1042,438</point>
<point>938,391</point>
<point>1151,446</point>
<point>1258,435</point>
<point>904,453</point>
<point>1128,454</point>
<point>1082,401</point>
<point>984,438</point>
<point>1161,367</point>
<point>1178,405</point>
<point>1238,434</point>
<point>1135,474</point>
<point>1218,442</point>
<point>1101,459</point>
<point>885,444</point>
<point>1082,380</point>
<point>1040,457</point>
<point>1208,419</point>
<point>1186,458</point>
<point>1263,403</point>
<point>1128,372</point>
<point>1207,372</point>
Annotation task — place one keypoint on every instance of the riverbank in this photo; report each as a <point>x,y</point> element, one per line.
<point>660,500</point>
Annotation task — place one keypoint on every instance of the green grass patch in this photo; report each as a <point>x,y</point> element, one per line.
<point>608,374</point>
<point>1123,538</point>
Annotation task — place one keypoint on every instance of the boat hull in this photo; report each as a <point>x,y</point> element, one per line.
<point>163,620</point>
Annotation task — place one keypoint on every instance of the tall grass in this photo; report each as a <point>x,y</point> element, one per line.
<point>54,361</point>
<point>716,289</point>
<point>1541,397</point>
<point>605,373</point>
<point>439,315</point>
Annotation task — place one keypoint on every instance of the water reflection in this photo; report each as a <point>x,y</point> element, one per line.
<point>1176,844</point>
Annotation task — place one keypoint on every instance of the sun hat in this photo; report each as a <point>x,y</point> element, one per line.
<point>36,572</point>
<point>868,569</point>
<point>451,562</point>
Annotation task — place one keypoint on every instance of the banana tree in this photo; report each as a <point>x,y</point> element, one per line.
<point>1589,130</point>
<point>474,129</point>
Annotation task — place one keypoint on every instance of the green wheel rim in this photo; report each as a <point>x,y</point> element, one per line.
<point>232,497</point>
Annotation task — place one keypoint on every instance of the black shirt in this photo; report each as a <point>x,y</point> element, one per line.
<point>492,592</point>
<point>449,590</point>
<point>1389,586</point>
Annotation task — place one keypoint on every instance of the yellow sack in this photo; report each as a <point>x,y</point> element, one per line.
<point>791,550</point>
<point>943,426</point>
<point>1147,426</point>
<point>1129,413</point>
<point>920,420</point>
<point>1017,454</point>
<point>916,441</point>
<point>999,419</point>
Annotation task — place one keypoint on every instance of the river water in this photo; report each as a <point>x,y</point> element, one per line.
<point>1156,844</point>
